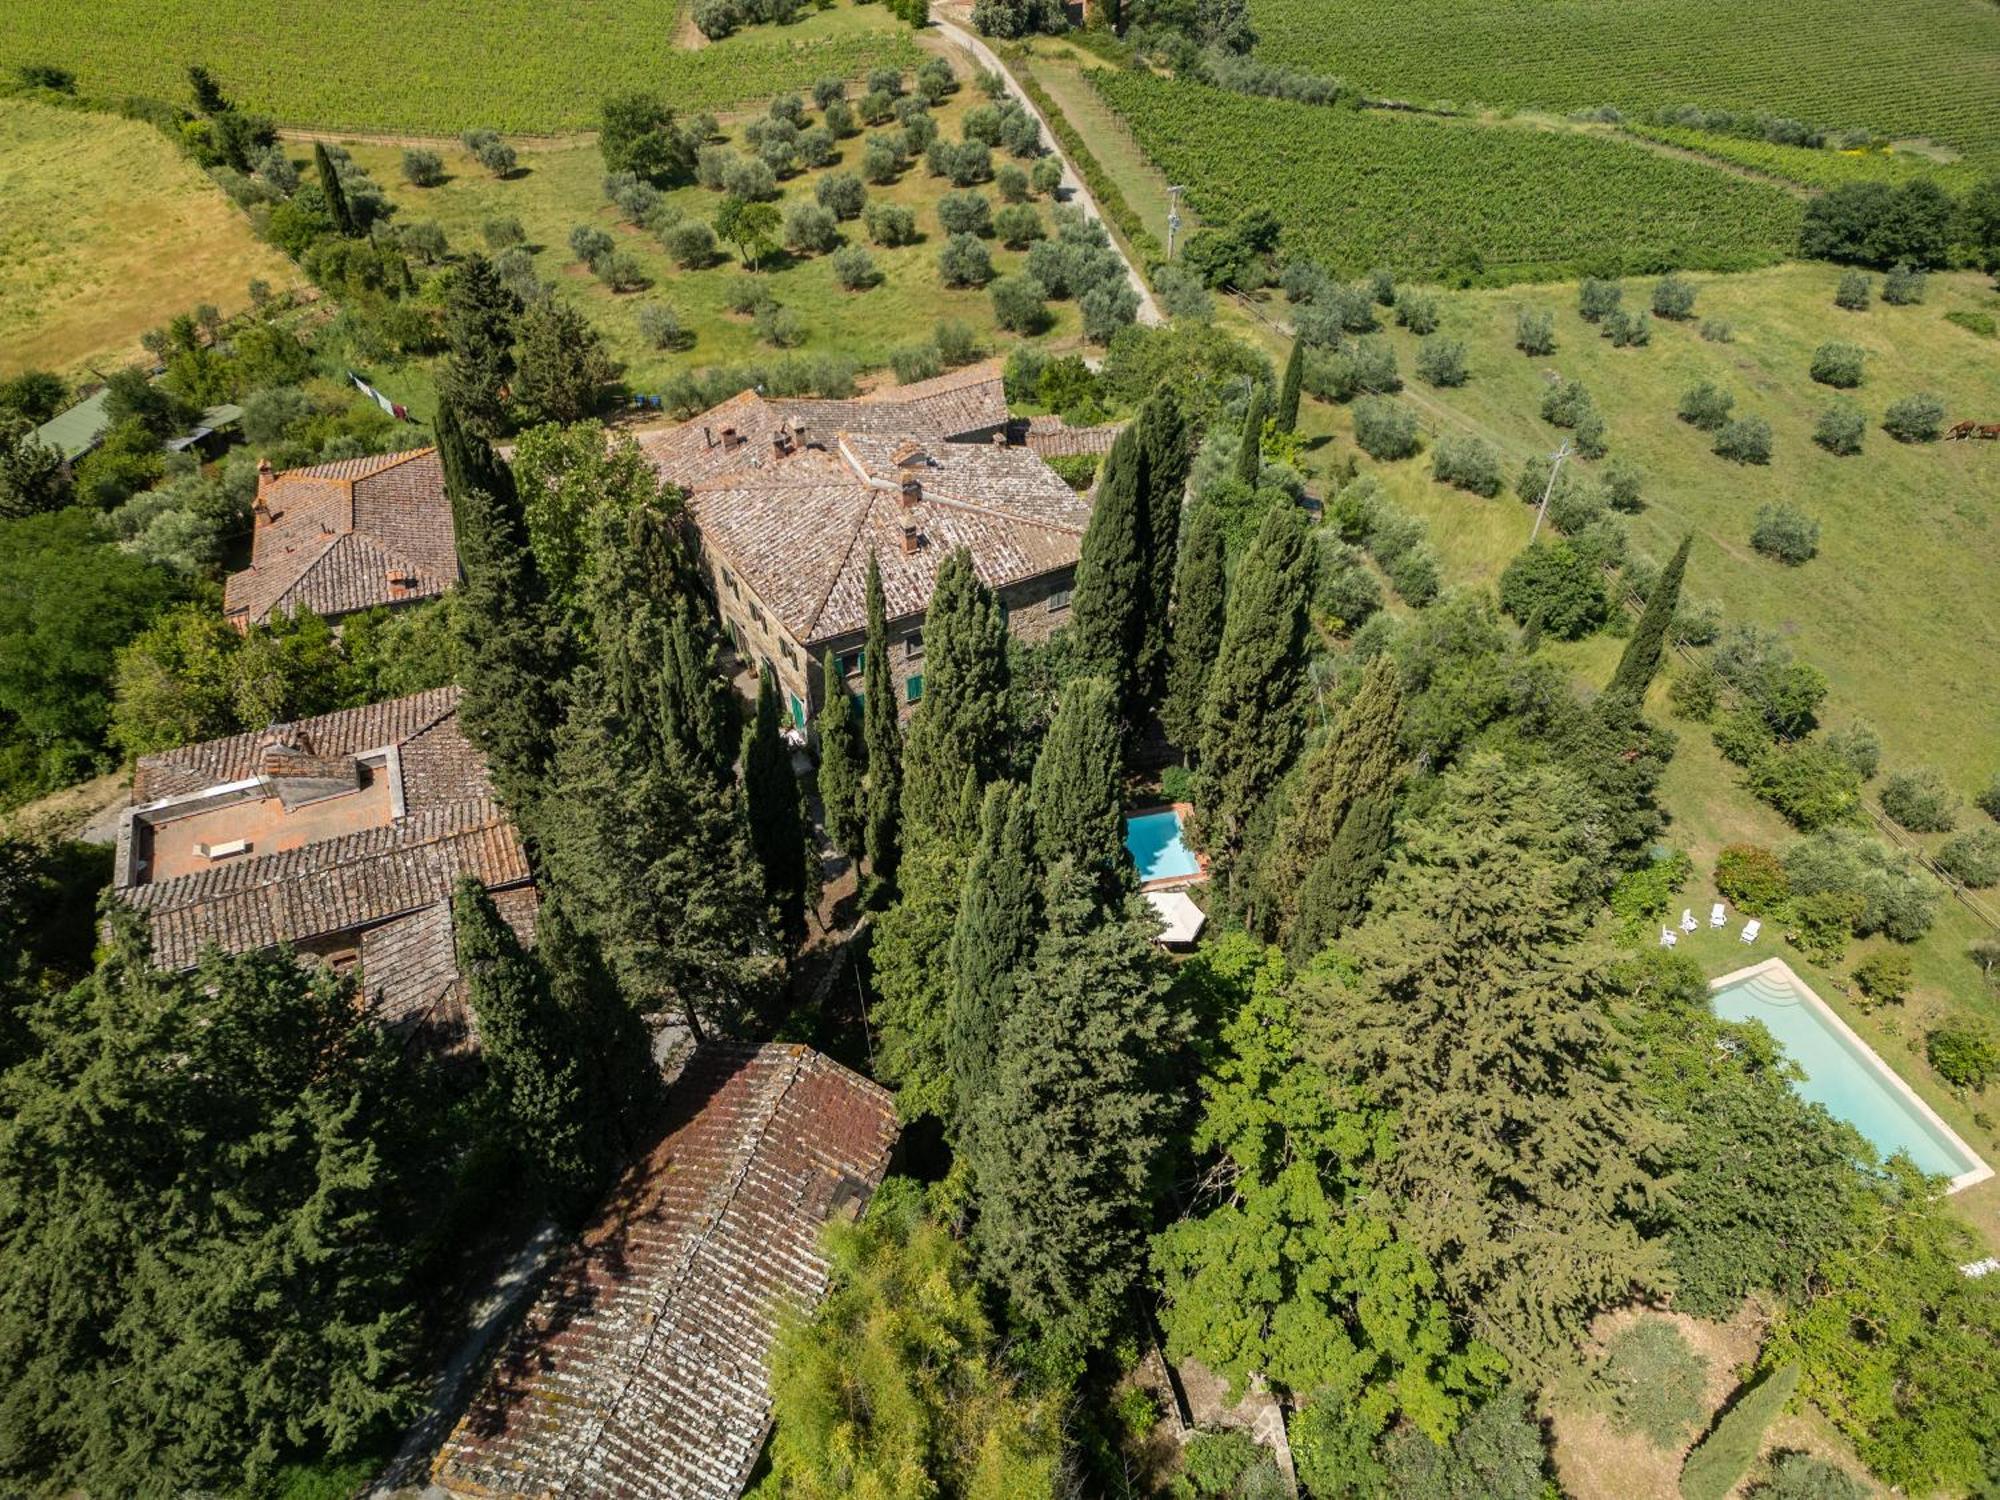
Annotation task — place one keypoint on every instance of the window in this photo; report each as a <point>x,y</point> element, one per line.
<point>913,688</point>
<point>785,650</point>
<point>729,581</point>
<point>913,646</point>
<point>798,711</point>
<point>757,617</point>
<point>850,663</point>
<point>1059,599</point>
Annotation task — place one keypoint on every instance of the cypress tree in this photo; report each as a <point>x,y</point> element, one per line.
<point>1067,1140</point>
<point>1648,644</point>
<point>841,764</point>
<point>961,725</point>
<point>882,731</point>
<point>1250,455</point>
<point>1250,728</point>
<point>1334,894</point>
<point>1113,575</point>
<point>777,821</point>
<point>1164,445</point>
<point>337,206</point>
<point>1200,587</point>
<point>1722,1458</point>
<point>622,1088</point>
<point>1075,785</point>
<point>480,318</point>
<point>991,941</point>
<point>1288,392</point>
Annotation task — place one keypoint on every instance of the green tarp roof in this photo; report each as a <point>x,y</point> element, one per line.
<point>75,432</point>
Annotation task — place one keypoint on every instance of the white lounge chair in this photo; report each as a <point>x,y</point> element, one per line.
<point>1688,923</point>
<point>1718,915</point>
<point>1750,930</point>
<point>1668,937</point>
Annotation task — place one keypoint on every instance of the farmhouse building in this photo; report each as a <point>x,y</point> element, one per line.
<point>789,499</point>
<point>643,1368</point>
<point>341,835</point>
<point>341,537</point>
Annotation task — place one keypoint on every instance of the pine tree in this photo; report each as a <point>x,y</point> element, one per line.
<point>1357,759</point>
<point>1648,644</point>
<point>1288,393</point>
<point>480,318</point>
<point>777,819</point>
<point>1067,1141</point>
<point>1113,577</point>
<point>1197,621</point>
<point>1250,453</point>
<point>841,763</point>
<point>337,207</point>
<point>528,1051</point>
<point>882,732</point>
<point>1164,445</point>
<point>991,941</point>
<point>960,727</point>
<point>1075,785</point>
<point>1250,729</point>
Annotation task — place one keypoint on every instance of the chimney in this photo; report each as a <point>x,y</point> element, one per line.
<point>781,442</point>
<point>910,539</point>
<point>799,431</point>
<point>263,483</point>
<point>728,438</point>
<point>913,493</point>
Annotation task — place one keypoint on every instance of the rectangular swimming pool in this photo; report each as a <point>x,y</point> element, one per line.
<point>1154,841</point>
<point>1843,1073</point>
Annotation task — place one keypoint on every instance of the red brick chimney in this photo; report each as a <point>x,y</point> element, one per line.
<point>913,493</point>
<point>911,541</point>
<point>264,477</point>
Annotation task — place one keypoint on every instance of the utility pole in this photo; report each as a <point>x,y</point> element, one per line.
<point>1555,467</point>
<point>1173,216</point>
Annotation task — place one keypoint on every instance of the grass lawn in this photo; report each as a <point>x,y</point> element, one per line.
<point>561,188</point>
<point>510,65</point>
<point>105,232</point>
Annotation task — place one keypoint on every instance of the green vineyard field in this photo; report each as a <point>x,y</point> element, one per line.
<point>1901,67</point>
<point>509,65</point>
<point>1821,168</point>
<point>1428,197</point>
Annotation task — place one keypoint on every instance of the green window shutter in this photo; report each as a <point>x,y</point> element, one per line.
<point>914,687</point>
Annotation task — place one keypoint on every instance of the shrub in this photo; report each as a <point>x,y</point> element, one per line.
<point>712,164</point>
<point>1566,403</point>
<point>1576,507</point>
<point>1914,419</point>
<point>660,326</point>
<point>1106,308</point>
<point>854,268</point>
<point>1622,482</point>
<point>1852,292</point>
<point>1972,858</point>
<point>621,271</point>
<point>1628,330</point>
<point>503,233</point>
<point>965,213</point>
<point>1747,440</point>
<point>1385,430</point>
<point>1645,895</point>
<point>422,168</point>
<point>1046,176</point>
<point>1019,304</point>
<point>1725,1455</point>
<point>1345,593</point>
<point>779,326</point>
<point>1753,878</point>
<point>1807,781</point>
<point>1785,533</point>
<point>1018,226</point>
<point>1837,365</point>
<point>1467,463</point>
<point>1535,332</point>
<point>1655,1382</point>
<point>692,245</point>
<point>1979,324</point>
<point>1595,299</point>
<point>1920,800</point>
<point>745,295</point>
<point>638,202</point>
<point>1903,286</point>
<point>916,362</point>
<point>716,19</point>
<point>1718,331</point>
<point>1441,361</point>
<point>890,224</point>
<point>1988,800</point>
<point>1673,298</point>
<point>1888,893</point>
<point>964,262</point>
<point>1963,1057</point>
<point>491,152</point>
<point>1840,428</point>
<point>1694,695</point>
<point>1416,311</point>
<point>589,244</point>
<point>1706,406</point>
<point>1558,585</point>
<point>1590,435</point>
<point>1800,1476</point>
<point>809,228</point>
<point>1859,746</point>
<point>751,180</point>
<point>956,343</point>
<point>1885,978</point>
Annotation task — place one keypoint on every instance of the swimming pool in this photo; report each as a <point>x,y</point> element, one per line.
<point>1843,1073</point>
<point>1154,841</point>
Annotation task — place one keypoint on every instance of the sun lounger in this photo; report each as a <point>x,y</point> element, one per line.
<point>1750,930</point>
<point>1668,937</point>
<point>1718,915</point>
<point>1688,923</point>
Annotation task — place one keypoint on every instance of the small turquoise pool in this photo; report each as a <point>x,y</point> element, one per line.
<point>1154,842</point>
<point>1841,1073</point>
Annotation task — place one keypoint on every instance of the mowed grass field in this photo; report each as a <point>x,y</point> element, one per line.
<point>508,65</point>
<point>562,188</point>
<point>1901,67</point>
<point>106,231</point>
<point>1497,200</point>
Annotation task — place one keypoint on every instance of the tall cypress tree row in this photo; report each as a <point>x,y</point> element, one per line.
<point>1200,587</point>
<point>1288,392</point>
<point>1165,446</point>
<point>882,730</point>
<point>1648,644</point>
<point>1250,455</point>
<point>622,1088</point>
<point>777,820</point>
<point>1067,1140</point>
<point>841,763</point>
<point>480,318</point>
<point>991,941</point>
<point>1250,728</point>
<point>960,727</point>
<point>1113,594</point>
<point>1075,785</point>
<point>1334,895</point>
<point>331,189</point>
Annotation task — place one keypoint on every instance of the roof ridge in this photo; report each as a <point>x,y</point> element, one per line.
<point>834,574</point>
<point>1005,515</point>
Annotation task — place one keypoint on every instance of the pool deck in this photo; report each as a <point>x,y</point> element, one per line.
<point>1183,811</point>
<point>1777,968</point>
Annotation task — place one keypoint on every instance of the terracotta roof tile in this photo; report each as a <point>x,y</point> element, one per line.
<point>1051,437</point>
<point>642,1369</point>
